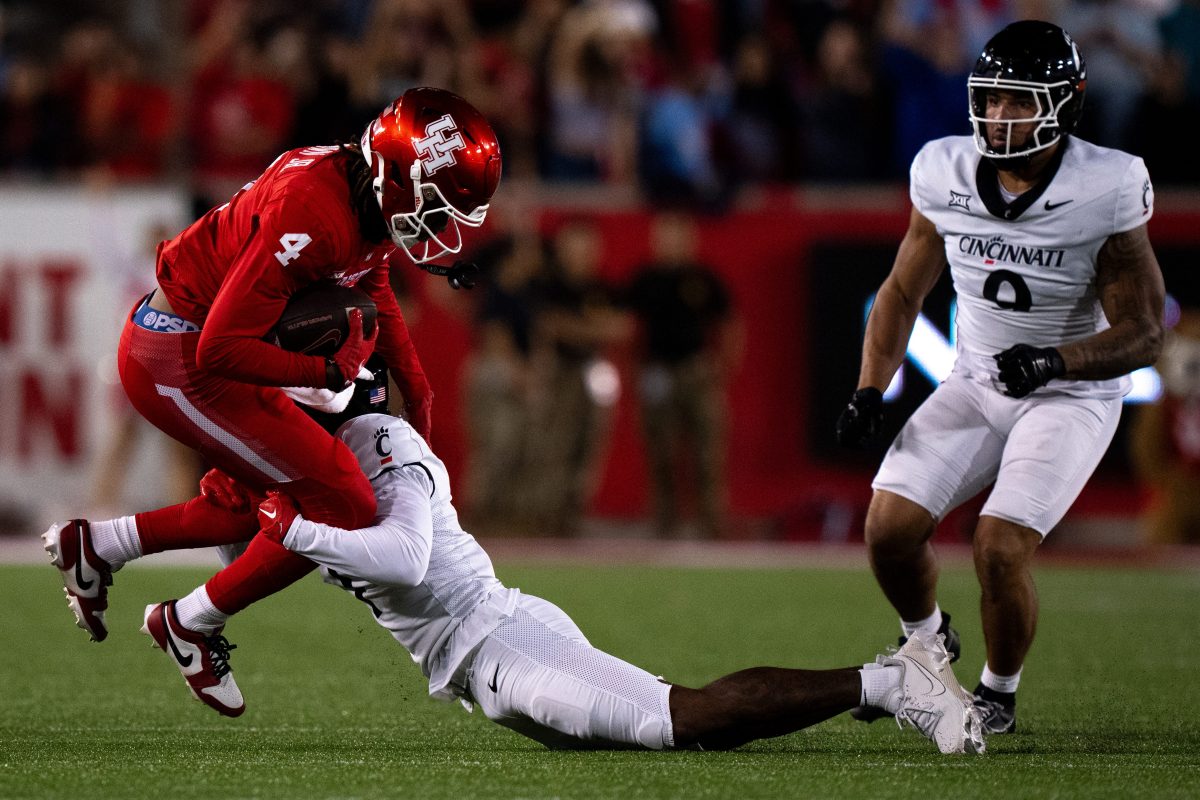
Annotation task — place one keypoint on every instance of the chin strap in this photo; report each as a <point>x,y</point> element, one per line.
<point>460,276</point>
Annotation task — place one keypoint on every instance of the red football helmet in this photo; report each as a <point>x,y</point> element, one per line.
<point>436,164</point>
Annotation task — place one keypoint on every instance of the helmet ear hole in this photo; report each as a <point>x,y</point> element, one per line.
<point>395,174</point>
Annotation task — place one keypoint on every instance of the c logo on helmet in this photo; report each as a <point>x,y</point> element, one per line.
<point>383,444</point>
<point>437,149</point>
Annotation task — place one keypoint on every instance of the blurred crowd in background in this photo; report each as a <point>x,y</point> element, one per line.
<point>679,104</point>
<point>687,99</point>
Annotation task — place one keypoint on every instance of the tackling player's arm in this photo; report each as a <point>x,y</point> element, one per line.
<point>1130,286</point>
<point>392,552</point>
<point>920,260</point>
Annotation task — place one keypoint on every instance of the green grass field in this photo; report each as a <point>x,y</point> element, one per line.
<point>335,709</point>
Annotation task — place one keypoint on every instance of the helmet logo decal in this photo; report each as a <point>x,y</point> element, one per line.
<point>436,148</point>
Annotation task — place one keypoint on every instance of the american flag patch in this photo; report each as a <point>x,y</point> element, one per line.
<point>378,394</point>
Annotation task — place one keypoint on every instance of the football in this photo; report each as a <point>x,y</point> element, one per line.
<point>317,319</point>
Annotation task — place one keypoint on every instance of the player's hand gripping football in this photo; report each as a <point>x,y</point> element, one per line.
<point>1024,368</point>
<point>225,492</point>
<point>861,419</point>
<point>342,367</point>
<point>276,515</point>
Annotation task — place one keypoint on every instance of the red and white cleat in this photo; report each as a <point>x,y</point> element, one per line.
<point>203,660</point>
<point>86,577</point>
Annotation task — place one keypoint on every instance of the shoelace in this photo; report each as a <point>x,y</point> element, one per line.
<point>990,708</point>
<point>923,719</point>
<point>219,646</point>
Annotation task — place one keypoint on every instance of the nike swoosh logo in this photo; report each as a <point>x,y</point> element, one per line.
<point>85,585</point>
<point>1051,206</point>
<point>268,514</point>
<point>183,662</point>
<point>492,684</point>
<point>934,681</point>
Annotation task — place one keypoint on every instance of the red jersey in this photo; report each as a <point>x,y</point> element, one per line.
<point>233,270</point>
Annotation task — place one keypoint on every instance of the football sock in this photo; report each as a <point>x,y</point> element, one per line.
<point>197,523</point>
<point>196,612</point>
<point>928,625</point>
<point>881,687</point>
<point>265,568</point>
<point>1003,684</point>
<point>116,541</point>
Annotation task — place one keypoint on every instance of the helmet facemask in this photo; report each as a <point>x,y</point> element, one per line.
<point>431,229</point>
<point>1050,99</point>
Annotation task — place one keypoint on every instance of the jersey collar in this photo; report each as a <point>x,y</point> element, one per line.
<point>987,183</point>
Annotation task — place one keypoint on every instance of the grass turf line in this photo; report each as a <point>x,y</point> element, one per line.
<point>335,709</point>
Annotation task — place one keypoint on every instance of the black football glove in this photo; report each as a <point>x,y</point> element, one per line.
<point>862,419</point>
<point>1024,368</point>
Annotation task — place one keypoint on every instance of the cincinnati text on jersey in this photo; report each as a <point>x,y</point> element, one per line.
<point>996,249</point>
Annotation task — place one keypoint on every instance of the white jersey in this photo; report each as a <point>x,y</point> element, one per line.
<point>1025,271</point>
<point>426,580</point>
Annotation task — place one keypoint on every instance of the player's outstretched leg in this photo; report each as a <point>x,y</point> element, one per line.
<point>916,685</point>
<point>762,702</point>
<point>934,702</point>
<point>86,577</point>
<point>202,658</point>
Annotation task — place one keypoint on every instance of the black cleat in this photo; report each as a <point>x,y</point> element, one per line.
<point>998,710</point>
<point>953,647</point>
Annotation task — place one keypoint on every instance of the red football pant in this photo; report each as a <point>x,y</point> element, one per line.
<point>257,435</point>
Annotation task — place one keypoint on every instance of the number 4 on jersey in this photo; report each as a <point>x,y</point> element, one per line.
<point>292,244</point>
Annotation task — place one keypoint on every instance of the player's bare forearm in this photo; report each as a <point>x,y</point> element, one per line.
<point>1117,351</point>
<point>919,261</point>
<point>1130,285</point>
<point>889,327</point>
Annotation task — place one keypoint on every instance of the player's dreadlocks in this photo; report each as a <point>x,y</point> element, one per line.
<point>362,197</point>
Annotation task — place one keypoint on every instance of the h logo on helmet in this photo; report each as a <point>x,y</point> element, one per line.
<point>437,149</point>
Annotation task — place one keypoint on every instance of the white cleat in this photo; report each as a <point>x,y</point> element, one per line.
<point>85,576</point>
<point>934,702</point>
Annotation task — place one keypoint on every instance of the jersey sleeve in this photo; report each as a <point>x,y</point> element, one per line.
<point>392,552</point>
<point>288,248</point>
<point>1135,198</point>
<point>918,180</point>
<point>394,343</point>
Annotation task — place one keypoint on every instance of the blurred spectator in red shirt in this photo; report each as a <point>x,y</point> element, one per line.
<point>243,109</point>
<point>128,119</point>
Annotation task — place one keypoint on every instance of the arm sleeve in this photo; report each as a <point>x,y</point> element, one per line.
<point>287,249</point>
<point>1135,198</point>
<point>916,179</point>
<point>392,552</point>
<point>395,344</point>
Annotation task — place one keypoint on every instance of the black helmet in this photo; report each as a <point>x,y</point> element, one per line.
<point>370,397</point>
<point>1036,57</point>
